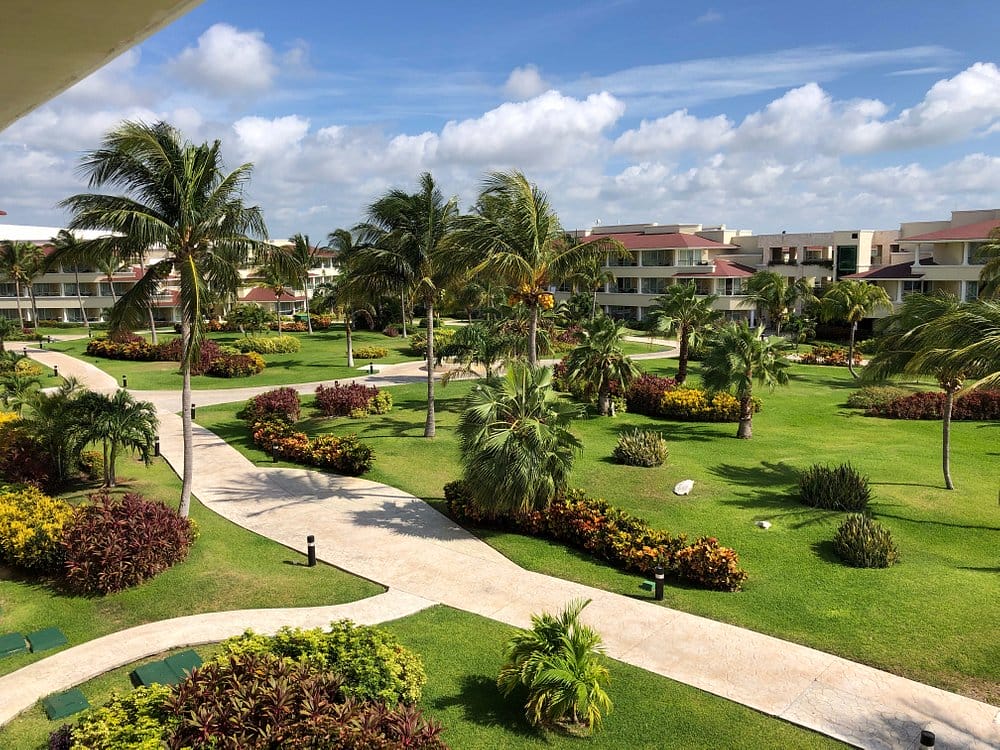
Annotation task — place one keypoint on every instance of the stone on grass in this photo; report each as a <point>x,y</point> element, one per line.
<point>684,488</point>
<point>764,524</point>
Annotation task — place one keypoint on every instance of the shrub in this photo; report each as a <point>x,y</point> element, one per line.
<point>281,402</point>
<point>645,394</point>
<point>236,366</point>
<point>611,534</point>
<point>112,545</point>
<point>290,326</point>
<point>835,487</point>
<point>373,664</point>
<point>31,528</point>
<point>91,463</point>
<point>391,331</point>
<point>696,405</point>
<point>124,346</point>
<point>268,345</point>
<point>22,457</point>
<point>345,455</point>
<point>863,542</point>
<point>62,738</point>
<point>828,354</point>
<point>418,341</point>
<point>974,405</point>
<point>29,368</point>
<point>322,322</point>
<point>371,352</point>
<point>873,396</point>
<point>640,448</point>
<point>381,403</point>
<point>136,720</point>
<point>350,400</point>
<point>293,446</point>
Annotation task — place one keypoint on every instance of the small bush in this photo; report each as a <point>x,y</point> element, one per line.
<point>391,331</point>
<point>381,403</point>
<point>696,405</point>
<point>22,457</point>
<point>62,738</point>
<point>281,402</point>
<point>345,455</point>
<point>828,354</point>
<point>874,396</point>
<point>863,542</point>
<point>974,405</point>
<point>31,528</point>
<point>135,721</point>
<point>112,545</point>
<point>290,326</point>
<point>268,344</point>
<point>351,400</point>
<point>91,463</point>
<point>835,488</point>
<point>645,394</point>
<point>418,341</point>
<point>640,448</point>
<point>371,352</point>
<point>236,366</point>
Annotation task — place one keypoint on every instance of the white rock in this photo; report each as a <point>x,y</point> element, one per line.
<point>764,524</point>
<point>684,488</point>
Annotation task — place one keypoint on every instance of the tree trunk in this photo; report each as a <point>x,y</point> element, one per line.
<point>949,402</point>
<point>533,337</point>
<point>593,306</point>
<point>277,312</point>
<point>745,430</point>
<point>603,401</point>
<point>34,306</point>
<point>152,319</point>
<point>350,339</point>
<point>111,285</point>
<point>402,308</point>
<point>430,427</point>
<point>682,355</point>
<point>17,298</point>
<point>112,458</point>
<point>305,291</point>
<point>187,478</point>
<point>79,297</point>
<point>850,352</point>
<point>107,477</point>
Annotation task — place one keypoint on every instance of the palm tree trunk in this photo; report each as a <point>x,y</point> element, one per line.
<point>112,458</point>
<point>603,401</point>
<point>949,402</point>
<point>79,297</point>
<point>533,337</point>
<point>17,298</point>
<point>593,305</point>
<point>745,430</point>
<point>850,352</point>
<point>430,427</point>
<point>402,308</point>
<point>111,285</point>
<point>350,340</point>
<point>683,354</point>
<point>305,291</point>
<point>187,474</point>
<point>152,320</point>
<point>34,306</point>
<point>107,477</point>
<point>277,312</point>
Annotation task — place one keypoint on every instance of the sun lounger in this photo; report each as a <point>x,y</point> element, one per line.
<point>12,643</point>
<point>155,672</point>
<point>61,705</point>
<point>181,664</point>
<point>46,638</point>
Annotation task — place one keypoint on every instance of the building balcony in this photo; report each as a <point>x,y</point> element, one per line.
<point>819,263</point>
<point>783,262</point>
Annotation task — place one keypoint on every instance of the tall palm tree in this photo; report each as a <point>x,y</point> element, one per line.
<point>119,421</point>
<point>69,245</point>
<point>20,262</point>
<point>514,234</point>
<point>599,360</point>
<point>108,266</point>
<point>176,196</point>
<point>273,275</point>
<point>517,450</point>
<point>852,301</point>
<point>989,255</point>
<point>739,356</point>
<point>679,310</point>
<point>404,238</point>
<point>297,258</point>
<point>967,340</point>
<point>591,274</point>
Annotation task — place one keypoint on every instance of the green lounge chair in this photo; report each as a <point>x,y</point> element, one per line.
<point>46,638</point>
<point>12,643</point>
<point>181,664</point>
<point>154,672</point>
<point>61,705</point>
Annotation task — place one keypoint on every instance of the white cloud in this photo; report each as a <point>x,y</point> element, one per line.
<point>228,62</point>
<point>260,138</point>
<point>525,83</point>
<point>709,16</point>
<point>678,131</point>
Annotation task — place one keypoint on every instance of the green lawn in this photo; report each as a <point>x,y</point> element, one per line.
<point>650,711</point>
<point>228,568</point>
<point>323,356</point>
<point>932,617</point>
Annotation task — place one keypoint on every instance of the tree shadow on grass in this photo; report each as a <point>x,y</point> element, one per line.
<point>769,475</point>
<point>771,491</point>
<point>482,704</point>
<point>948,524</point>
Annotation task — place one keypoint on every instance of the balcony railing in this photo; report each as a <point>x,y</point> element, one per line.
<point>822,262</point>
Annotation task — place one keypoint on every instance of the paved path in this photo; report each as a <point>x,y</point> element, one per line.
<point>391,537</point>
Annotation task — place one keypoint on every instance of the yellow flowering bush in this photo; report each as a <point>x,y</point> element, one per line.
<point>697,405</point>
<point>31,528</point>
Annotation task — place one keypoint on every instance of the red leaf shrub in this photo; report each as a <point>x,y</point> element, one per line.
<point>112,545</point>
<point>22,458</point>
<point>289,326</point>
<point>281,402</point>
<point>611,534</point>
<point>128,346</point>
<point>345,455</point>
<point>828,354</point>
<point>974,405</point>
<point>645,395</point>
<point>345,400</point>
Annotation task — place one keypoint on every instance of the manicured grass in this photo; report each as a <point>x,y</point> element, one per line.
<point>323,356</point>
<point>931,617</point>
<point>228,568</point>
<point>461,694</point>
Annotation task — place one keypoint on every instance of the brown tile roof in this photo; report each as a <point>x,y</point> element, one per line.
<point>980,230</point>
<point>652,241</point>
<point>899,271</point>
<point>260,294</point>
<point>725,269</point>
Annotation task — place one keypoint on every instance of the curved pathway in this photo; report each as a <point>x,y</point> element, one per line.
<point>389,536</point>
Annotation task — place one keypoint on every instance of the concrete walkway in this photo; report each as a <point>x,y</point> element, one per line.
<point>391,537</point>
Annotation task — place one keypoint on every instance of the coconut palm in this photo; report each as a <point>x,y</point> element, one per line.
<point>297,258</point>
<point>967,340</point>
<point>478,345</point>
<point>404,239</point>
<point>17,389</point>
<point>739,356</point>
<point>598,361</point>
<point>69,245</point>
<point>53,419</point>
<point>559,663</point>
<point>119,421</point>
<point>20,262</point>
<point>853,301</point>
<point>679,310</point>
<point>177,196</point>
<point>275,276</point>
<point>989,255</point>
<point>591,274</point>
<point>516,447</point>
<point>513,234</point>
<point>108,267</point>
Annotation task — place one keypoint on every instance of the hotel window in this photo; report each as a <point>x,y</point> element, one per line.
<point>687,256</point>
<point>626,286</point>
<point>704,286</point>
<point>915,287</point>
<point>729,287</point>
<point>971,291</point>
<point>654,286</point>
<point>7,290</point>
<point>658,258</point>
<point>614,260</point>
<point>972,254</point>
<point>876,257</point>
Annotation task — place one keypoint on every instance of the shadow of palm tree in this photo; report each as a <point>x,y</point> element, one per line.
<point>482,704</point>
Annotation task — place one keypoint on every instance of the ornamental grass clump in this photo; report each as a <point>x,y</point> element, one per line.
<point>640,448</point>
<point>835,488</point>
<point>863,542</point>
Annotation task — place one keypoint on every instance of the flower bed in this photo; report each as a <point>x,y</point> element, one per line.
<point>611,534</point>
<point>352,400</point>
<point>657,396</point>
<point>212,360</point>
<point>974,405</point>
<point>826,354</point>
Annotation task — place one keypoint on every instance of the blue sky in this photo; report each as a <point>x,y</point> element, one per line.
<point>761,115</point>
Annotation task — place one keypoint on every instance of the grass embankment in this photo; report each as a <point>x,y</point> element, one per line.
<point>323,356</point>
<point>930,618</point>
<point>650,711</point>
<point>228,568</point>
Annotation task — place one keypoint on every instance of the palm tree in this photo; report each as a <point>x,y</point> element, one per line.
<point>404,239</point>
<point>480,344</point>
<point>178,197</point>
<point>53,418</point>
<point>679,310</point>
<point>7,329</point>
<point>514,234</point>
<point>108,266</point>
<point>852,301</point>
<point>69,245</point>
<point>598,361</point>
<point>20,262</point>
<point>516,447</point>
<point>119,421</point>
<point>739,356</point>
<point>16,388</point>
<point>591,274</point>
<point>297,258</point>
<point>275,276</point>
<point>989,255</point>
<point>559,663</point>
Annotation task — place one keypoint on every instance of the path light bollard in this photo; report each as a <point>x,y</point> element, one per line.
<point>124,381</point>
<point>274,453</point>
<point>41,343</point>
<point>926,738</point>
<point>156,447</point>
<point>193,407</point>
<point>371,368</point>
<point>50,339</point>
<point>658,576</point>
<point>24,351</point>
<point>55,371</point>
<point>311,550</point>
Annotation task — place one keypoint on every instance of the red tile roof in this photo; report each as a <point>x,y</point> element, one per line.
<point>977,231</point>
<point>260,294</point>
<point>644,241</point>
<point>726,269</point>
<point>899,271</point>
